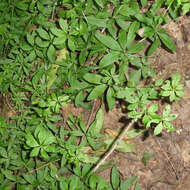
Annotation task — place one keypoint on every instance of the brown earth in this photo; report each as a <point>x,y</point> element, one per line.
<point>169,169</point>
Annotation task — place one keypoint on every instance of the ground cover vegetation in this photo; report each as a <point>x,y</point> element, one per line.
<point>54,52</point>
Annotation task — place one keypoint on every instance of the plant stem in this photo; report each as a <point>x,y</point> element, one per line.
<point>114,146</point>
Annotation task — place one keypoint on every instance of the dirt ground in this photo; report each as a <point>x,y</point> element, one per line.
<point>169,169</point>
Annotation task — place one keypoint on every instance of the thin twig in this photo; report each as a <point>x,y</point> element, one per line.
<point>89,119</point>
<point>91,113</point>
<point>114,146</point>
<point>168,7</point>
<point>36,169</point>
<point>53,10</point>
<point>9,105</point>
<point>91,60</point>
<point>170,162</point>
<point>85,17</point>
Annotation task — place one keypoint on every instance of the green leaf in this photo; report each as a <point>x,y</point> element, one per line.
<point>93,78</point>
<point>85,158</point>
<point>132,33</point>
<point>8,175</point>
<point>63,183</point>
<point>126,147</point>
<point>180,93</point>
<point>108,41</point>
<point>185,8</point>
<point>158,82</point>
<point>136,47</point>
<point>153,47</point>
<point>166,40</point>
<point>168,126</point>
<point>43,34</point>
<point>71,44</point>
<point>100,3</point>
<point>115,177</point>
<point>57,32</point>
<point>137,187</point>
<point>96,21</point>
<point>158,129</point>
<point>31,57</point>
<point>134,133</point>
<point>146,156</point>
<point>153,108</point>
<point>39,42</point>
<point>110,98</point>
<point>156,6</point>
<point>112,28</point>
<point>123,93</point>
<point>175,79</point>
<point>74,183</point>
<point>166,111</point>
<point>97,92</point>
<point>82,57</point>
<point>122,24</point>
<point>30,39</point>
<point>30,178</point>
<point>30,141</point>
<point>135,114</point>
<point>63,24</point>
<point>44,153</point>
<point>149,32</point>
<point>125,185</point>
<point>99,121</point>
<point>165,93</point>
<point>122,39</point>
<point>135,77</point>
<point>49,139</point>
<point>52,75</point>
<point>3,152</point>
<point>41,134</point>
<point>51,53</point>
<point>59,40</point>
<point>21,5</point>
<point>35,151</point>
<point>129,8</point>
<point>25,46</point>
<point>109,59</point>
<point>93,181</point>
<point>180,87</point>
<point>122,147</point>
<point>143,3</point>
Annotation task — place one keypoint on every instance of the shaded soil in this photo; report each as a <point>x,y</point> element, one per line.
<point>169,169</point>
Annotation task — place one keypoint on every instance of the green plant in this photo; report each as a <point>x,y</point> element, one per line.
<point>160,121</point>
<point>55,52</point>
<point>173,89</point>
<point>176,6</point>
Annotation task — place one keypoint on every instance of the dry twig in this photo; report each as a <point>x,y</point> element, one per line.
<point>89,119</point>
<point>169,160</point>
<point>114,146</point>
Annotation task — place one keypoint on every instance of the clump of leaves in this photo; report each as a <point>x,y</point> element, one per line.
<point>175,7</point>
<point>58,51</point>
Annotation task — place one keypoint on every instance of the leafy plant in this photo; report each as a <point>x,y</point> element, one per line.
<point>41,143</point>
<point>176,6</point>
<point>55,52</point>
<point>117,184</point>
<point>160,121</point>
<point>173,89</point>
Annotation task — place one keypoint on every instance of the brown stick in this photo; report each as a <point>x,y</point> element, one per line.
<point>168,159</point>
<point>114,146</point>
<point>89,119</point>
